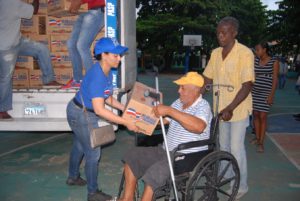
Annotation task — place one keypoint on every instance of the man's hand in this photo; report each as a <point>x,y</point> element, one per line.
<point>36,5</point>
<point>161,110</point>
<point>74,7</point>
<point>226,114</point>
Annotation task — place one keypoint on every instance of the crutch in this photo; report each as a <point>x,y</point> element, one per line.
<point>165,138</point>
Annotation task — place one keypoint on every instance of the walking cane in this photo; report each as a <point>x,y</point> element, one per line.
<point>165,139</point>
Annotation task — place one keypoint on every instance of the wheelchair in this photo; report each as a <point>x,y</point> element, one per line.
<point>210,178</point>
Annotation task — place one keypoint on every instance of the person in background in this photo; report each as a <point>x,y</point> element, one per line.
<point>189,119</point>
<point>232,64</point>
<point>13,44</point>
<point>95,91</point>
<point>283,70</point>
<point>85,29</point>
<point>263,91</point>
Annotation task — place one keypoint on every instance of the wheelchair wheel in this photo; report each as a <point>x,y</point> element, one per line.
<point>212,178</point>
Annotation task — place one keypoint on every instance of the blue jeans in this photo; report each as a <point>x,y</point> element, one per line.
<point>82,146</point>
<point>84,32</point>
<point>232,137</point>
<point>26,47</point>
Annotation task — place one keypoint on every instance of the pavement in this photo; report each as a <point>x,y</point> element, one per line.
<point>33,165</point>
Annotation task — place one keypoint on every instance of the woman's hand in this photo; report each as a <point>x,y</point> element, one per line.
<point>270,100</point>
<point>132,127</point>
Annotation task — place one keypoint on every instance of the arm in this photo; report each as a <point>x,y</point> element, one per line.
<point>189,122</point>
<point>100,110</point>
<point>274,83</point>
<point>74,6</point>
<point>115,103</point>
<point>35,4</point>
<point>227,112</point>
<point>206,81</point>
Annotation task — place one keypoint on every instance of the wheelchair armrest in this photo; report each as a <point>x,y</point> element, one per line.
<point>194,144</point>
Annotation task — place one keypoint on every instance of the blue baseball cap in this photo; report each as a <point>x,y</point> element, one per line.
<point>110,45</point>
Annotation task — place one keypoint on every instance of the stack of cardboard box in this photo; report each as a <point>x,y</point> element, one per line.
<point>52,26</point>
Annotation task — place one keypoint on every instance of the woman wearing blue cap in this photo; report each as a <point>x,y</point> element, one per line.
<point>96,90</point>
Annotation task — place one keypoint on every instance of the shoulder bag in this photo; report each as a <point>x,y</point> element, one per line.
<point>99,136</point>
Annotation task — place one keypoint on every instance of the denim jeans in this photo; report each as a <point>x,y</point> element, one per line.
<point>77,120</point>
<point>84,32</point>
<point>232,137</point>
<point>26,47</point>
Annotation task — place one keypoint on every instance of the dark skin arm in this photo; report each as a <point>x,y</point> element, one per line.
<point>227,112</point>
<point>35,4</point>
<point>206,81</point>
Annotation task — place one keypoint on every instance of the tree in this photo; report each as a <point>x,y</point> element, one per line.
<point>284,27</point>
<point>161,24</point>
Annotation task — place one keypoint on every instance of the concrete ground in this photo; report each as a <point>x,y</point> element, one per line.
<point>33,166</point>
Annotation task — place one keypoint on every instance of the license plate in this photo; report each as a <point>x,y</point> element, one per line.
<point>34,110</point>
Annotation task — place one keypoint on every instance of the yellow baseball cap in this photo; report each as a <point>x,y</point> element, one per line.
<point>193,78</point>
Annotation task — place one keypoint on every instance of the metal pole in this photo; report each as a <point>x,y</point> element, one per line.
<point>166,143</point>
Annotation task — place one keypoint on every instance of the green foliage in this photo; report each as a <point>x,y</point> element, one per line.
<point>161,24</point>
<point>284,27</point>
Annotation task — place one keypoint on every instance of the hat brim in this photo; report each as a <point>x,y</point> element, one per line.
<point>119,50</point>
<point>185,81</point>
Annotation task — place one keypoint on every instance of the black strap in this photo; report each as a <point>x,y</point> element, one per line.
<point>81,106</point>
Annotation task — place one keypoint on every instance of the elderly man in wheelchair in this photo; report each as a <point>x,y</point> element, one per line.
<point>189,141</point>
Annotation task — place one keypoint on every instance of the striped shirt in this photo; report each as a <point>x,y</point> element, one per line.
<point>178,135</point>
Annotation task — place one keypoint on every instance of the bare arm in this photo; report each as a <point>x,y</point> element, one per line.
<point>115,103</point>
<point>189,122</point>
<point>36,5</point>
<point>227,112</point>
<point>270,98</point>
<point>206,81</point>
<point>74,6</point>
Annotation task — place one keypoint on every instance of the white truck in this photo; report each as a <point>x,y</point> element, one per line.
<point>45,109</point>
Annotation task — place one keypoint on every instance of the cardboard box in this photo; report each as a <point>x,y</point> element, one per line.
<point>60,8</point>
<point>61,25</point>
<point>61,59</point>
<point>63,75</point>
<point>24,62</point>
<point>43,6</point>
<point>36,25</point>
<point>139,109</point>
<point>35,78</point>
<point>59,42</point>
<point>20,78</point>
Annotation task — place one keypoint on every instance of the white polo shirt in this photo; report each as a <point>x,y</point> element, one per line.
<point>177,134</point>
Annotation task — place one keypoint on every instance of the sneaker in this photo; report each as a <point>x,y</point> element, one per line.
<point>72,84</point>
<point>76,182</point>
<point>52,85</point>
<point>4,116</point>
<point>99,196</point>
